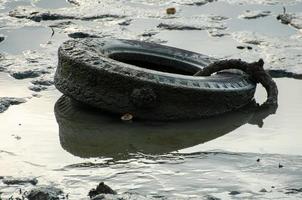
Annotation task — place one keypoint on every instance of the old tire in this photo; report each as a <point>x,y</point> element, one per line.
<point>150,81</point>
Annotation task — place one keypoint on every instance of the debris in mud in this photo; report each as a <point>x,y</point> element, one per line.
<point>45,193</point>
<point>217,18</point>
<point>282,55</point>
<point>249,38</point>
<point>37,16</point>
<point>74,2</point>
<point>171,11</point>
<point>234,193</point>
<point>295,20</point>
<point>17,137</point>
<point>291,19</point>
<point>216,33</point>
<point>263,190</point>
<point>36,95</point>
<point>210,197</point>
<point>127,117</point>
<point>37,88</point>
<point>243,47</point>
<point>43,81</point>
<point>199,22</point>
<point>62,25</point>
<point>6,102</point>
<point>178,27</point>
<point>254,14</point>
<point>101,189</point>
<point>81,35</point>
<point>19,181</point>
<point>293,191</point>
<point>240,47</point>
<point>277,73</point>
<point>147,36</point>
<point>99,197</point>
<point>125,22</point>
<point>155,40</point>
<point>45,15</point>
<point>87,165</point>
<point>27,74</point>
<point>280,166</point>
<point>285,18</point>
<point>1,38</point>
<point>149,33</point>
<point>125,196</point>
<point>196,2</point>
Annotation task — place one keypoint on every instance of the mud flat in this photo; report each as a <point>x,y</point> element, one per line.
<point>67,150</point>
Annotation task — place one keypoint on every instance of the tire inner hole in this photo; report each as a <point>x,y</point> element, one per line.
<point>156,62</point>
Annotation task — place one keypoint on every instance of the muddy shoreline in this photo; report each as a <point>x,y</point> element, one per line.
<point>66,152</point>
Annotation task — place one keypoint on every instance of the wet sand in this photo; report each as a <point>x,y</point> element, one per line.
<point>233,156</point>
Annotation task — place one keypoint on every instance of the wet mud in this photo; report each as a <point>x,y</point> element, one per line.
<point>69,149</point>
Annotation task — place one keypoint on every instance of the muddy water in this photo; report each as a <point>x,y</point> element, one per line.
<point>75,148</point>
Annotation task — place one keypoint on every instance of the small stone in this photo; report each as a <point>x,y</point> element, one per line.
<point>249,47</point>
<point>100,189</point>
<point>258,160</point>
<point>263,190</point>
<point>280,166</point>
<point>170,11</point>
<point>127,117</point>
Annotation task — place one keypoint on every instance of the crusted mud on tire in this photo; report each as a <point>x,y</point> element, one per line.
<point>150,81</point>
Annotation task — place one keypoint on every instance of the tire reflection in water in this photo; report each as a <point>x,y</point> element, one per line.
<point>86,132</point>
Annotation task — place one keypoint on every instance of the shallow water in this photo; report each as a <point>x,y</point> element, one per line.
<point>75,148</point>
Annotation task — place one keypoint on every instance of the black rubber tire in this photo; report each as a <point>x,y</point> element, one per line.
<point>87,73</point>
